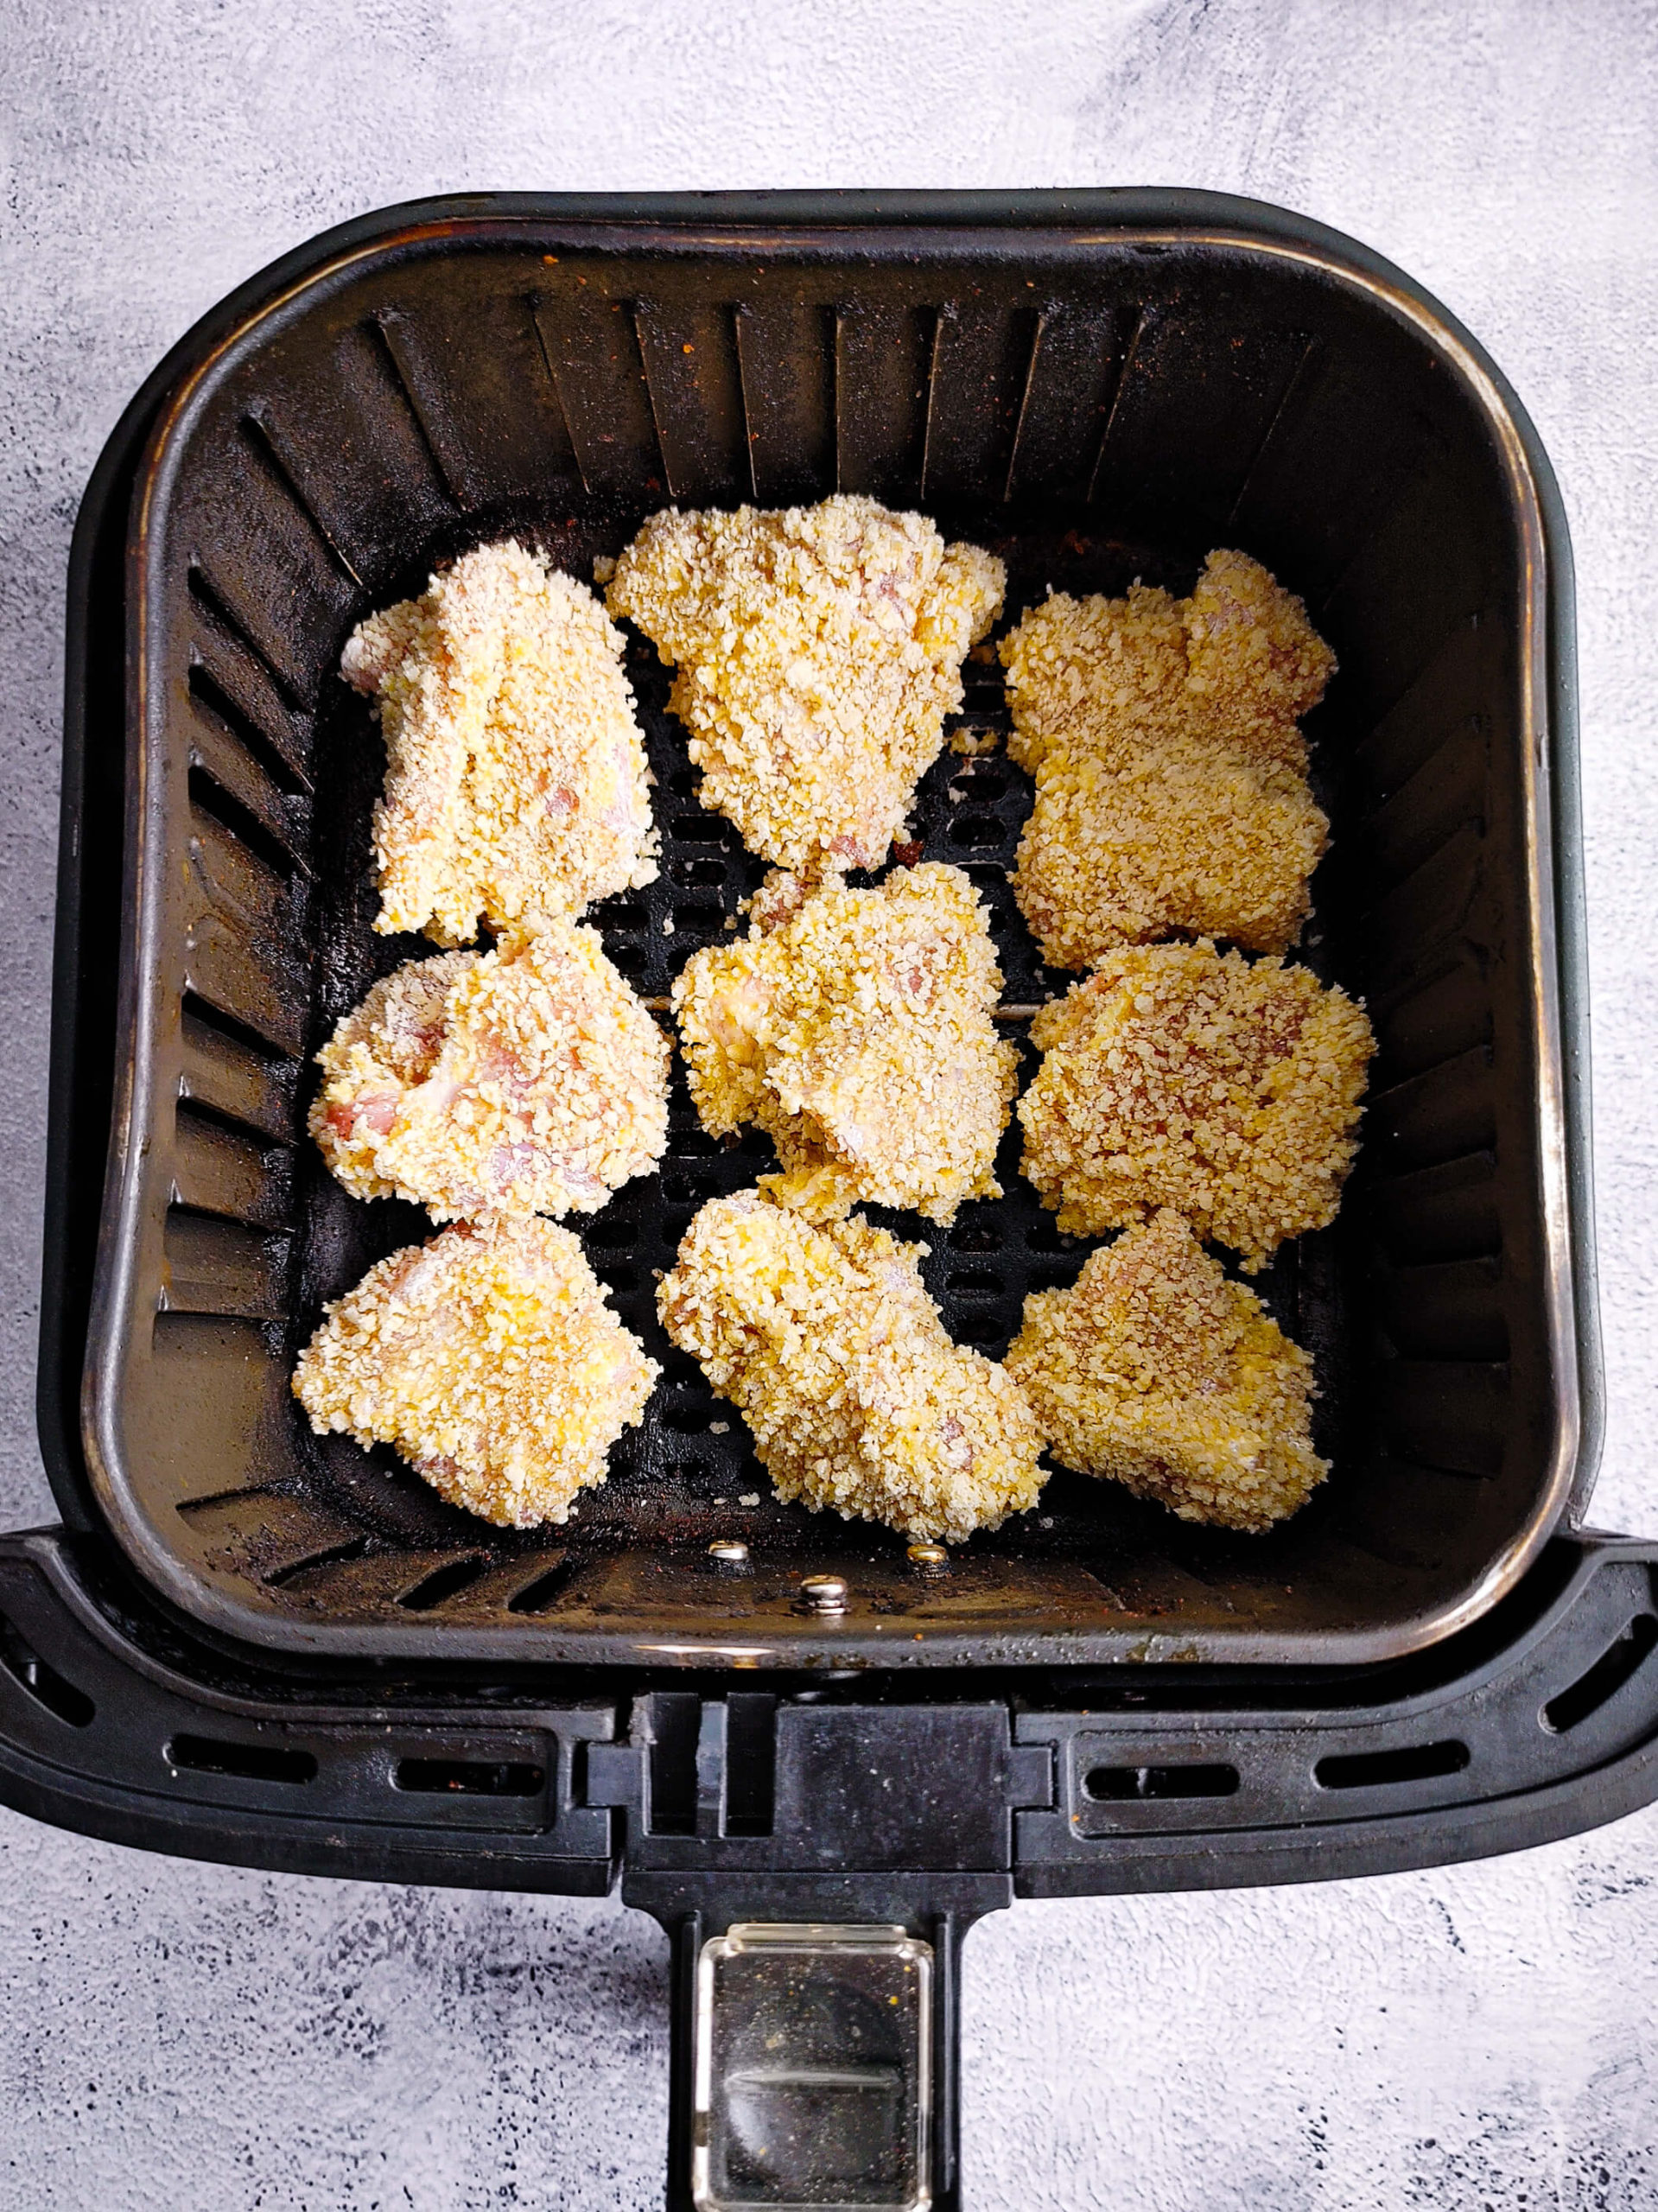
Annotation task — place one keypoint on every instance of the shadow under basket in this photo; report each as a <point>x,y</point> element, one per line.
<point>1098,389</point>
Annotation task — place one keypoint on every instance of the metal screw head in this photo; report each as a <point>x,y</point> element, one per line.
<point>928,1559</point>
<point>728,1554</point>
<point>824,1593</point>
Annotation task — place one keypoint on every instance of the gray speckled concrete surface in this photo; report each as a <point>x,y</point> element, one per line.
<point>207,2039</point>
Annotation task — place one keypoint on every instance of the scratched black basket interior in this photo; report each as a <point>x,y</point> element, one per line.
<point>1094,411</point>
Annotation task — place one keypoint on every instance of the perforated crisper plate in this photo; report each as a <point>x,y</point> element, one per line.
<point>1095,406</point>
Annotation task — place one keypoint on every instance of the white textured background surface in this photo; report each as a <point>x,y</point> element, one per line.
<point>205,2039</point>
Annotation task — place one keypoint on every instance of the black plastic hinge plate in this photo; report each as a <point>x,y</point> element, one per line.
<point>752,1782</point>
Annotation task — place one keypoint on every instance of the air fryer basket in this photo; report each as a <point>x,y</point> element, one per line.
<point>1098,395</point>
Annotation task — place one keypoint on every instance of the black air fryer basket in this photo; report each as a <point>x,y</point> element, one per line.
<point>250,1643</point>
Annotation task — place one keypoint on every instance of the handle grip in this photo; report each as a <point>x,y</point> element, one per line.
<point>816,2062</point>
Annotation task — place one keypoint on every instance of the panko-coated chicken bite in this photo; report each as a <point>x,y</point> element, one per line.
<point>525,1080</point>
<point>826,1343</point>
<point>1171,775</point>
<point>817,652</point>
<point>855,1028</point>
<point>515,784</point>
<point>1176,1076</point>
<point>1155,1371</point>
<point>490,1360</point>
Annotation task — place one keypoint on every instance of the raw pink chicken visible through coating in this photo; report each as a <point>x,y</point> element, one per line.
<point>515,785</point>
<point>528,1079</point>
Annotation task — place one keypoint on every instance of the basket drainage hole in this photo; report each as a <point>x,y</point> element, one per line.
<point>43,1682</point>
<point>1378,1770</point>
<point>445,1581</point>
<point>1109,1785</point>
<point>1615,1667</point>
<point>241,823</point>
<point>977,829</point>
<point>983,1329</point>
<point>244,1762</point>
<point>986,785</point>
<point>538,1596</point>
<point>324,1555</point>
<point>470,1777</point>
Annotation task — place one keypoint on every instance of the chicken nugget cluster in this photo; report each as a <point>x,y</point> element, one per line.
<point>490,1360</point>
<point>1184,1094</point>
<point>1171,775</point>
<point>825,1339</point>
<point>1158,1372</point>
<point>515,786</point>
<point>855,1027</point>
<point>528,1079</point>
<point>1177,1076</point>
<point>816,653</point>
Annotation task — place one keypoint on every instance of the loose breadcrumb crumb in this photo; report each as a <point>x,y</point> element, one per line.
<point>826,1343</point>
<point>515,771</point>
<point>1171,776</point>
<point>817,652</point>
<point>1156,1372</point>
<point>525,1080</point>
<point>855,1028</point>
<point>1176,1076</point>
<point>491,1361</point>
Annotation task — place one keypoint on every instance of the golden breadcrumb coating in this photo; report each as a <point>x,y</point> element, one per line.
<point>1176,1076</point>
<point>525,1080</point>
<point>817,652</point>
<point>1171,777</point>
<point>515,785</point>
<point>490,1360</point>
<point>1156,1372</point>
<point>855,1028</point>
<point>826,1343</point>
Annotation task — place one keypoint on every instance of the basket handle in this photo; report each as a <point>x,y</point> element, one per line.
<point>816,1863</point>
<point>815,2060</point>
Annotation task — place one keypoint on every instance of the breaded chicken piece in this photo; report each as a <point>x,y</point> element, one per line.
<point>1176,1076</point>
<point>828,1346</point>
<point>855,1028</point>
<point>817,652</point>
<point>490,1360</point>
<point>1156,1372</point>
<point>525,1080</point>
<point>1171,776</point>
<point>515,785</point>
